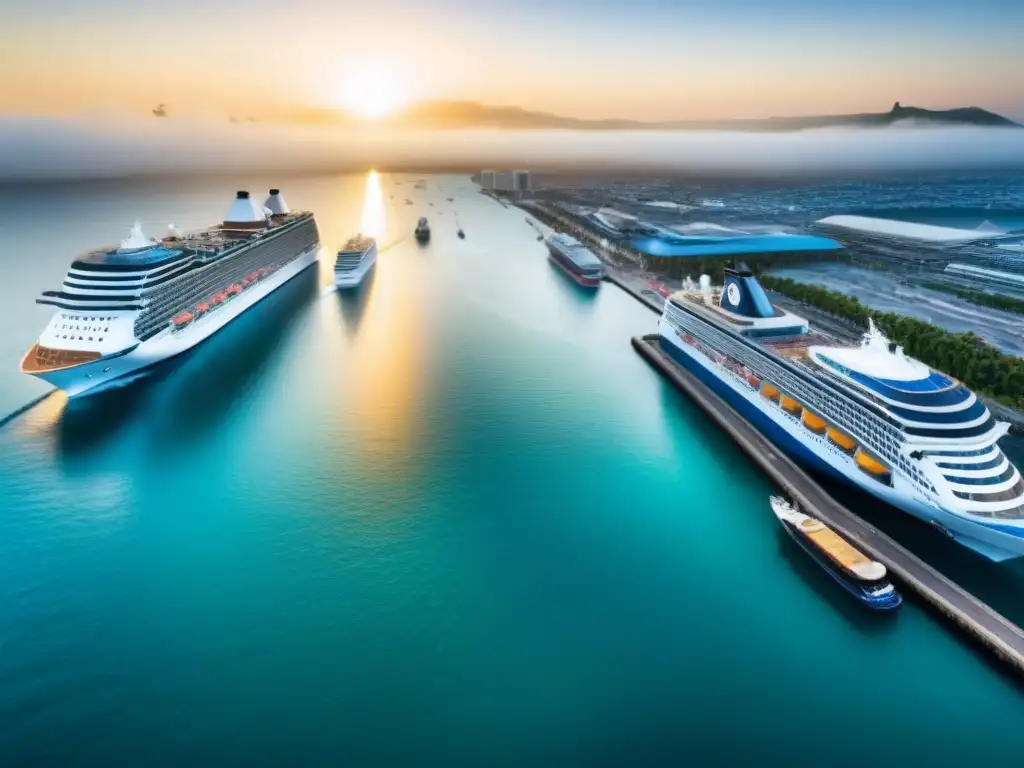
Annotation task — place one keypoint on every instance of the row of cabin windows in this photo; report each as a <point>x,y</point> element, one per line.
<point>1002,477</point>
<point>65,326</point>
<point>87,318</point>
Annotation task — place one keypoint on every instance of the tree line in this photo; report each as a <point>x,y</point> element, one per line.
<point>965,356</point>
<point>993,300</point>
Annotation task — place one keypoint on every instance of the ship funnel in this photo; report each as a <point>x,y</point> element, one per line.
<point>743,295</point>
<point>136,240</point>
<point>276,203</point>
<point>705,288</point>
<point>245,213</point>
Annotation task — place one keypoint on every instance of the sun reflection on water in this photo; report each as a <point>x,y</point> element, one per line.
<point>374,221</point>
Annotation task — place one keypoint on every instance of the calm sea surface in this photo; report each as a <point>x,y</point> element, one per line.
<point>452,519</point>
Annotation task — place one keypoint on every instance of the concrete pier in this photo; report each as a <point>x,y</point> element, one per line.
<point>994,632</point>
<point>655,303</point>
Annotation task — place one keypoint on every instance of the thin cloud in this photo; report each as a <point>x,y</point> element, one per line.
<point>53,149</point>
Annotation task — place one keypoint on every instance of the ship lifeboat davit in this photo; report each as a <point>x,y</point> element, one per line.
<point>814,423</point>
<point>842,441</point>
<point>180,321</point>
<point>770,392</point>
<point>872,466</point>
<point>789,405</point>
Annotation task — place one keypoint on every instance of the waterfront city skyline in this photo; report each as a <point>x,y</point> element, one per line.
<point>651,60</point>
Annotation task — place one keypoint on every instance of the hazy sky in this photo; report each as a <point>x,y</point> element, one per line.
<point>647,59</point>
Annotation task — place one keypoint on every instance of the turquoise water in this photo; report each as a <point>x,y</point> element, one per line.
<point>451,520</point>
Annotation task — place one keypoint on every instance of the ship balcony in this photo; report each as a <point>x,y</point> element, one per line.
<point>40,359</point>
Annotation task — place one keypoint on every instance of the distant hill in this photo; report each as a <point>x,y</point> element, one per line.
<point>467,114</point>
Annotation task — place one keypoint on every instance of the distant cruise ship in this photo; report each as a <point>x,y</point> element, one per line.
<point>867,415</point>
<point>354,261</point>
<point>577,261</point>
<point>124,308</point>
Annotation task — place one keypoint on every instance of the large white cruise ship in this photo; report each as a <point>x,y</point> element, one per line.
<point>121,309</point>
<point>866,414</point>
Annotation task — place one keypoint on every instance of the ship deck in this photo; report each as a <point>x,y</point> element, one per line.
<point>357,244</point>
<point>837,548</point>
<point>205,243</point>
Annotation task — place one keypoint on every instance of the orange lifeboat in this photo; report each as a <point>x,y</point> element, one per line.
<point>844,442</point>
<point>234,289</point>
<point>202,307</point>
<point>753,381</point>
<point>218,299</point>
<point>770,392</point>
<point>872,466</point>
<point>182,320</point>
<point>789,405</point>
<point>814,423</point>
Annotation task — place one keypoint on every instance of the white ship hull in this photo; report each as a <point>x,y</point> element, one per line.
<point>114,370</point>
<point>354,277</point>
<point>817,452</point>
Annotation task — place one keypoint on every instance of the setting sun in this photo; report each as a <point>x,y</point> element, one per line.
<point>373,91</point>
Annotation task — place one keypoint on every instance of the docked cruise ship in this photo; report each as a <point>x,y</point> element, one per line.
<point>121,309</point>
<point>866,414</point>
<point>575,259</point>
<point>354,261</point>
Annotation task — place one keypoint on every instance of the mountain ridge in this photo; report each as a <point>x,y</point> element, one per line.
<point>440,115</point>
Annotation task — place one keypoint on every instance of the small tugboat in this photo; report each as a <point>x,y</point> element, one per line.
<point>422,230</point>
<point>859,575</point>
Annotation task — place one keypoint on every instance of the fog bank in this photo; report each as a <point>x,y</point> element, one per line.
<point>51,149</point>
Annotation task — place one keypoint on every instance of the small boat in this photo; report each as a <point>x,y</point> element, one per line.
<point>450,199</point>
<point>202,308</point>
<point>218,299</point>
<point>862,577</point>
<point>422,230</point>
<point>462,234</point>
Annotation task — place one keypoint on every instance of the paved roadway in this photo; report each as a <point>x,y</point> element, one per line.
<point>999,635</point>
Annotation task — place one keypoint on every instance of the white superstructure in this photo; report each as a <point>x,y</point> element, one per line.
<point>867,414</point>
<point>354,261</point>
<point>122,309</point>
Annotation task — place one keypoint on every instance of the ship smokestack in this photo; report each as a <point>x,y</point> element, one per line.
<point>244,213</point>
<point>276,204</point>
<point>705,288</point>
